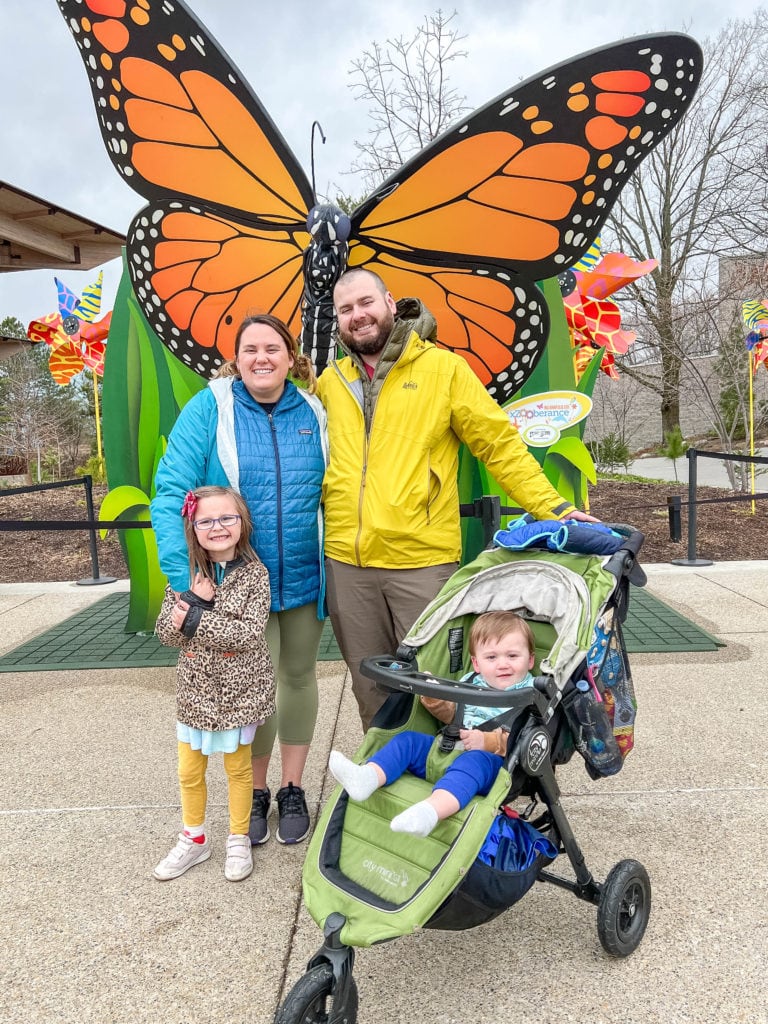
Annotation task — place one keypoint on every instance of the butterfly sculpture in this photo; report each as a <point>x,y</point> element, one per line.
<point>76,337</point>
<point>511,195</point>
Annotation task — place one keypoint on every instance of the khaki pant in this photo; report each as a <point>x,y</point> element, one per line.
<point>194,793</point>
<point>372,610</point>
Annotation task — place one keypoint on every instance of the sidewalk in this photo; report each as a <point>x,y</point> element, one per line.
<point>709,472</point>
<point>90,804</point>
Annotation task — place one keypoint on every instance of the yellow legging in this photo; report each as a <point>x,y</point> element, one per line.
<point>194,793</point>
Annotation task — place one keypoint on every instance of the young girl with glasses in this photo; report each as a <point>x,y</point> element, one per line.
<point>225,682</point>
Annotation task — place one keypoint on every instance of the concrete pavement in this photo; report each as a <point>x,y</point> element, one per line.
<point>709,472</point>
<point>89,804</point>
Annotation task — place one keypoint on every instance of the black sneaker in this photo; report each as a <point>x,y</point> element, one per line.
<point>293,814</point>
<point>258,832</point>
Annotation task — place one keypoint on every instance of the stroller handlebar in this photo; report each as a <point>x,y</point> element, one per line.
<point>401,676</point>
<point>624,561</point>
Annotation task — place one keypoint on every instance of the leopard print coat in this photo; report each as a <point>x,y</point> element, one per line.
<point>224,675</point>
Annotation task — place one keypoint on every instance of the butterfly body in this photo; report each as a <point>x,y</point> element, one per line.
<point>513,194</point>
<point>325,260</point>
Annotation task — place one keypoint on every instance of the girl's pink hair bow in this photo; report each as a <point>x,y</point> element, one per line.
<point>189,508</point>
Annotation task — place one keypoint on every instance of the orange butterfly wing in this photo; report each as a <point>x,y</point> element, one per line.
<point>497,322</point>
<point>519,190</point>
<point>530,178</point>
<point>225,230</point>
<point>197,273</point>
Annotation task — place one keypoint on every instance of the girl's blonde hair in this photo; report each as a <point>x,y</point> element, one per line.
<point>302,371</point>
<point>199,559</point>
<point>495,625</point>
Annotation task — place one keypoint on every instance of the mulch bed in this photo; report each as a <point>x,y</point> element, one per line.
<point>725,531</point>
<point>50,555</point>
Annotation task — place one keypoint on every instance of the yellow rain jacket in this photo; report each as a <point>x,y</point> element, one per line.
<point>390,490</point>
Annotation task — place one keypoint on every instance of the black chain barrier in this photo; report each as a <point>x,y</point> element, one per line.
<point>488,509</point>
<point>90,524</point>
<point>674,504</point>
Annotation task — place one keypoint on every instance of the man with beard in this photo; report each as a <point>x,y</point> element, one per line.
<point>398,409</point>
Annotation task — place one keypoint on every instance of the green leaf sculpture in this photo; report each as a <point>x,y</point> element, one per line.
<point>566,463</point>
<point>145,388</point>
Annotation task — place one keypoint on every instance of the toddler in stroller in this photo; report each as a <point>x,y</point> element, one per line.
<point>364,883</point>
<point>501,649</point>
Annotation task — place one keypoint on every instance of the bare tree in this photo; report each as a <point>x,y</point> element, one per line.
<point>405,83</point>
<point>699,195</point>
<point>39,421</point>
<point>610,416</point>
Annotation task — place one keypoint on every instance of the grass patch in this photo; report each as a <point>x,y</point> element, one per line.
<point>631,478</point>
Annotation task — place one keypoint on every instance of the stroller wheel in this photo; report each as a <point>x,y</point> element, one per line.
<point>624,908</point>
<point>309,1001</point>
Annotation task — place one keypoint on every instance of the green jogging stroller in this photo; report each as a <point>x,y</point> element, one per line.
<point>365,884</point>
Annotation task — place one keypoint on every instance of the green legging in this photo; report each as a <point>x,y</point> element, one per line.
<point>293,638</point>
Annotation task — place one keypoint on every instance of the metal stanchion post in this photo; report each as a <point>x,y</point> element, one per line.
<point>490,515</point>
<point>691,559</point>
<point>95,578</point>
<point>674,505</point>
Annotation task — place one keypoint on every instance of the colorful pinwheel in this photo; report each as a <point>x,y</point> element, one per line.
<point>594,321</point>
<point>755,315</point>
<point>76,338</point>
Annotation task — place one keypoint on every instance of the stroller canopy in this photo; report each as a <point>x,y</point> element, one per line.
<point>566,590</point>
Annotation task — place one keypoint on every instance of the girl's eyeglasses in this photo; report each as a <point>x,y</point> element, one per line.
<point>225,521</point>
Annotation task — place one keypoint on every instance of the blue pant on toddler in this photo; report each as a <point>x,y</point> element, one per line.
<point>471,773</point>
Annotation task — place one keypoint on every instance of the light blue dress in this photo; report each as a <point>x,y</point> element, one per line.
<point>225,741</point>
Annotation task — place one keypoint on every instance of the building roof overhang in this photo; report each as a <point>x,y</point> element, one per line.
<point>38,235</point>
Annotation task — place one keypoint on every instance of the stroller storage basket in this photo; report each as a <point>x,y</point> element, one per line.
<point>485,893</point>
<point>493,884</point>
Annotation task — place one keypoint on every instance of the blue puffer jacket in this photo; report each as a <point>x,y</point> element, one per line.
<point>276,461</point>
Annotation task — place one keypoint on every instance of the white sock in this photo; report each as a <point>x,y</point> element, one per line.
<point>359,780</point>
<point>417,820</point>
<point>194,831</point>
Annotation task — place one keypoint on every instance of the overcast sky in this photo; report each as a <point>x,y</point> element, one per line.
<point>296,55</point>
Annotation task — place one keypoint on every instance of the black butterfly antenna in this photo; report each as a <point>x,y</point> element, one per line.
<point>315,124</point>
